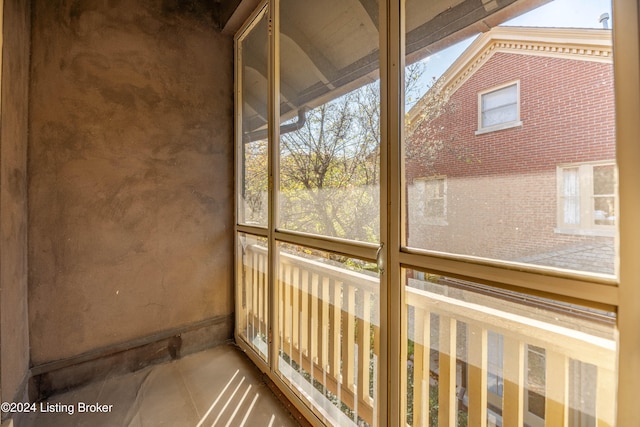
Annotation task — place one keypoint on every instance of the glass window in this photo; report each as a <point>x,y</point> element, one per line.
<point>328,172</point>
<point>604,195</point>
<point>329,332</point>
<point>498,135</point>
<point>462,333</point>
<point>252,294</point>
<point>587,197</point>
<point>436,198</point>
<point>429,196</point>
<point>486,212</point>
<point>499,107</point>
<point>570,196</point>
<point>252,153</point>
<point>330,113</point>
<point>542,194</point>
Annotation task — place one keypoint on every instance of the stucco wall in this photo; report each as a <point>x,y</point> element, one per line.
<point>14,338</point>
<point>130,162</point>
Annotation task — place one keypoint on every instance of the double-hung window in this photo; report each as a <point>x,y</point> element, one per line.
<point>499,108</point>
<point>431,195</point>
<point>587,198</point>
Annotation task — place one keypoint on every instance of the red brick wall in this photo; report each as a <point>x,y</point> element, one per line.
<point>501,198</point>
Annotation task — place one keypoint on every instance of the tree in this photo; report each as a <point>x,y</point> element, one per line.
<point>255,182</point>
<point>330,167</point>
<point>424,137</point>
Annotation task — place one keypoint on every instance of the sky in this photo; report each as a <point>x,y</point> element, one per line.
<point>558,13</point>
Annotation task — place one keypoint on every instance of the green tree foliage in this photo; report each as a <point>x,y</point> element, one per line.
<point>329,168</point>
<point>255,182</point>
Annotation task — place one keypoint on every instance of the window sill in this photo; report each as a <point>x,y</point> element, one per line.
<point>586,231</point>
<point>499,127</point>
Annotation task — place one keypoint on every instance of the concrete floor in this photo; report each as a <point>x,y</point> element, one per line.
<point>219,386</point>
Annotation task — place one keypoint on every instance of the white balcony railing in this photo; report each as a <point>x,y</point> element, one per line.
<point>329,347</point>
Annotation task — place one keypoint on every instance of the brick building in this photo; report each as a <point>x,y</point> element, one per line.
<point>525,140</point>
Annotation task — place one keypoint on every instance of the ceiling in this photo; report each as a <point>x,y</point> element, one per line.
<point>329,48</point>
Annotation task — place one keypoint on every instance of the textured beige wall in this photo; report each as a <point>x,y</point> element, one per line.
<point>14,334</point>
<point>130,166</point>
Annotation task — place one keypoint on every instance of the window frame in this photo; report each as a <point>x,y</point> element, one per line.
<point>440,219</point>
<point>626,38</point>
<point>620,293</point>
<point>586,225</point>
<point>504,125</point>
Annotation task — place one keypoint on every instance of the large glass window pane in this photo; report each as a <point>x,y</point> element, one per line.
<point>499,106</point>
<point>252,294</point>
<point>476,352</point>
<point>330,124</point>
<point>604,191</point>
<point>522,131</point>
<point>329,341</point>
<point>252,152</point>
<point>571,196</point>
<point>509,154</point>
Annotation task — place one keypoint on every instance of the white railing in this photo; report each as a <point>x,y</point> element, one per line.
<point>329,326</point>
<point>561,344</point>
<point>324,310</point>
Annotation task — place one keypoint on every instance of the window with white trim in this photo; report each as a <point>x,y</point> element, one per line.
<point>432,193</point>
<point>499,108</point>
<point>587,196</point>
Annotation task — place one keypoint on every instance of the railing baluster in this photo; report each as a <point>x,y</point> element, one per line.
<point>249,300</point>
<point>255,301</point>
<point>286,280</point>
<point>605,397</point>
<point>259,297</point>
<point>305,284</point>
<point>265,295</point>
<point>280,297</point>
<point>376,328</point>
<point>334,339</point>
<point>447,373</point>
<point>364,344</point>
<point>295,307</point>
<point>324,325</point>
<point>421,362</point>
<point>556,389</point>
<point>348,338</point>
<point>478,351</point>
<point>315,319</point>
<point>292,316</point>
<point>243,271</point>
<point>513,371</point>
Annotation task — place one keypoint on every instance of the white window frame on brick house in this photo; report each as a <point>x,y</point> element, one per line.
<point>514,104</point>
<point>577,194</point>
<point>428,188</point>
